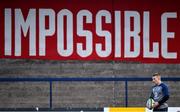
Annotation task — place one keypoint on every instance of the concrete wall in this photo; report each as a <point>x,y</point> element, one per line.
<point>81,94</point>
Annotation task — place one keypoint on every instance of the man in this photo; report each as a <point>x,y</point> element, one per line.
<point>160,94</point>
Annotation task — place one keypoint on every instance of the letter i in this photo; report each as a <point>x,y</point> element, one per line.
<point>8,31</point>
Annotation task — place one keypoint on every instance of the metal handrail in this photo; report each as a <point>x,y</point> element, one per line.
<point>51,80</point>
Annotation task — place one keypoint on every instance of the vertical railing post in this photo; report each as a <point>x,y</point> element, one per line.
<point>50,94</point>
<point>126,93</point>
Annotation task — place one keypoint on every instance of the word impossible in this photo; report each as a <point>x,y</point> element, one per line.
<point>28,26</point>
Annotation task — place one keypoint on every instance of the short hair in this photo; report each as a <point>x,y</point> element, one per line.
<point>156,74</point>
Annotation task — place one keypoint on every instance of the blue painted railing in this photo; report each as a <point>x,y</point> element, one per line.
<point>51,80</point>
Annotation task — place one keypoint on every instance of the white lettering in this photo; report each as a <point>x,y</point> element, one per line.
<point>25,25</point>
<point>117,34</point>
<point>43,32</point>
<point>8,32</point>
<point>125,43</point>
<point>103,33</point>
<point>146,40</point>
<point>165,35</point>
<point>86,33</point>
<point>69,32</point>
<point>132,34</point>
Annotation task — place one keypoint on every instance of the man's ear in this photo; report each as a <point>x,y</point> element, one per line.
<point>159,77</point>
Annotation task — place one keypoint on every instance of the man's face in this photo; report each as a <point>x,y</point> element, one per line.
<point>155,79</point>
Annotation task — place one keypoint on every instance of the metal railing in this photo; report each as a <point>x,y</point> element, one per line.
<point>86,79</point>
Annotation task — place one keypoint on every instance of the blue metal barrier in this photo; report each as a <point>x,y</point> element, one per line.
<point>51,80</point>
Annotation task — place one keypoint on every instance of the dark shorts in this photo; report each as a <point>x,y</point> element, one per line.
<point>161,110</point>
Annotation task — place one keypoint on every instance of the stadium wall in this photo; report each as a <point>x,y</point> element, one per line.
<point>81,94</point>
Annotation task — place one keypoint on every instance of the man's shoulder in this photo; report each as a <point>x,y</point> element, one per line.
<point>163,85</point>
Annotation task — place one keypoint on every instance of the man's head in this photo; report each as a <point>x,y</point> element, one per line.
<point>156,78</point>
